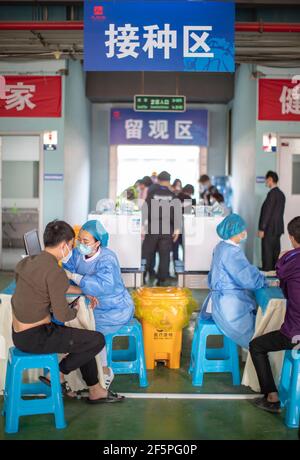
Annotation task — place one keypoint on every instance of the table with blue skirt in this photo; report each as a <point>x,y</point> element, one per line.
<point>270,316</point>
<point>83,320</point>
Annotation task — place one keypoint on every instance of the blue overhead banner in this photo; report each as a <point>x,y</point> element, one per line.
<point>159,36</point>
<point>130,127</point>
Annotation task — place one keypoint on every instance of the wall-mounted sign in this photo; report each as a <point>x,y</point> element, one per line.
<point>29,96</point>
<point>159,103</point>
<point>270,142</point>
<point>53,177</point>
<point>260,179</point>
<point>279,99</point>
<point>50,140</point>
<point>130,127</point>
<point>159,36</point>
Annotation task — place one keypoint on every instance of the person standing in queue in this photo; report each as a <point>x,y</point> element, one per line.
<point>205,184</point>
<point>271,225</point>
<point>159,217</point>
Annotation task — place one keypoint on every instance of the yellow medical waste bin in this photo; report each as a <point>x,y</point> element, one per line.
<point>164,312</point>
<point>161,346</point>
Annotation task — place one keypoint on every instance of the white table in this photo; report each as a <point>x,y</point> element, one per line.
<point>84,320</point>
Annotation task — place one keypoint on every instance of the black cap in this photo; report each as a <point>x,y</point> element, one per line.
<point>164,176</point>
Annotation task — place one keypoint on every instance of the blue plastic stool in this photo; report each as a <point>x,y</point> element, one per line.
<point>131,360</point>
<point>205,359</point>
<point>15,406</point>
<point>289,389</point>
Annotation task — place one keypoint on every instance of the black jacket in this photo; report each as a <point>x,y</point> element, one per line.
<point>272,211</point>
<point>158,211</point>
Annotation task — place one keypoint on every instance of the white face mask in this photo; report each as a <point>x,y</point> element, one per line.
<point>244,237</point>
<point>66,258</point>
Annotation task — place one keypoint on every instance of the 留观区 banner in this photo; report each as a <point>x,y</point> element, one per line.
<point>130,127</point>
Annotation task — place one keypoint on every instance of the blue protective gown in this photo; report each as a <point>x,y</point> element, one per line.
<point>231,280</point>
<point>102,279</point>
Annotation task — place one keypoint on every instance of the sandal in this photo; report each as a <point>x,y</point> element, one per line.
<point>110,398</point>
<point>82,394</point>
<point>65,387</point>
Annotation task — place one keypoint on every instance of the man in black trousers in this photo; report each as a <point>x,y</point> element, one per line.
<point>161,213</point>
<point>271,225</point>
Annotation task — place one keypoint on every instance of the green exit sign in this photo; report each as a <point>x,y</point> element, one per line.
<point>159,103</point>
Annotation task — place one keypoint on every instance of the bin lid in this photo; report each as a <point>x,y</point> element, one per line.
<point>163,292</point>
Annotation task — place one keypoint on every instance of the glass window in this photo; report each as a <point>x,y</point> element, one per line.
<point>296,175</point>
<point>20,179</point>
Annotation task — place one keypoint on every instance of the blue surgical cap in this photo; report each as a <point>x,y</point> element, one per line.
<point>96,229</point>
<point>232,225</point>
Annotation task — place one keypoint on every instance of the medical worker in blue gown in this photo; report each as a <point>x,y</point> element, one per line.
<point>232,280</point>
<point>95,269</point>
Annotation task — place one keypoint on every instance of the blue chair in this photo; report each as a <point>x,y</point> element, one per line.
<point>132,359</point>
<point>289,389</point>
<point>205,359</point>
<point>15,406</point>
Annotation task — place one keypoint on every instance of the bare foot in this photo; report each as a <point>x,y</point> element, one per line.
<point>97,392</point>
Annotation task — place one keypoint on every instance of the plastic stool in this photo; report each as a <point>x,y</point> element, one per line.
<point>289,389</point>
<point>132,360</point>
<point>205,359</point>
<point>15,406</point>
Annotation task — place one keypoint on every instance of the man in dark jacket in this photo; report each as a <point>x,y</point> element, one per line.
<point>159,217</point>
<point>271,225</point>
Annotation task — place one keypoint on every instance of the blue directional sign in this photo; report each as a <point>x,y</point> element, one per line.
<point>130,127</point>
<point>159,36</point>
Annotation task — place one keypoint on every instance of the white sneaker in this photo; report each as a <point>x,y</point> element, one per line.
<point>108,378</point>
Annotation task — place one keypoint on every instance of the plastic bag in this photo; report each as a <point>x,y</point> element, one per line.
<point>166,308</point>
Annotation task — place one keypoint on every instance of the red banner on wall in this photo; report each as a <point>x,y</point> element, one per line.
<point>28,96</point>
<point>279,99</point>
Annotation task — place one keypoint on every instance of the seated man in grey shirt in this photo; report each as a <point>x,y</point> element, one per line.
<point>41,288</point>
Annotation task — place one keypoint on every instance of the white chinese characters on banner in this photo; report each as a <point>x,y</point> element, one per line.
<point>134,129</point>
<point>200,48</point>
<point>160,39</point>
<point>124,41</point>
<point>158,129</point>
<point>123,38</point>
<point>183,129</point>
<point>19,96</point>
<point>290,102</point>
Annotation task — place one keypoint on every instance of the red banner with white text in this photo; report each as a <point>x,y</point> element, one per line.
<point>279,99</point>
<point>30,96</point>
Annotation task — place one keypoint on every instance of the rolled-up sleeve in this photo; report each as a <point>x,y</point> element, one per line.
<point>58,285</point>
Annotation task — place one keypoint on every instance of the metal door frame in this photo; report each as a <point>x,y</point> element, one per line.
<point>41,180</point>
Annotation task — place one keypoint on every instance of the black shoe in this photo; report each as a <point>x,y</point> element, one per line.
<point>264,404</point>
